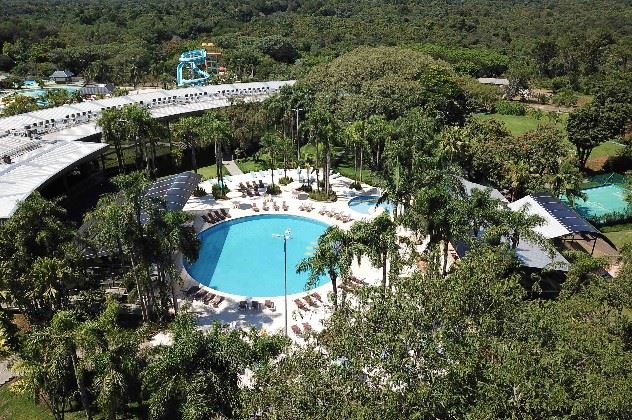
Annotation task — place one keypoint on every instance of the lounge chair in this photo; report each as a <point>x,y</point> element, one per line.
<point>243,304</point>
<point>255,208</point>
<point>302,207</point>
<point>200,294</point>
<point>209,297</point>
<point>316,296</point>
<point>270,305</point>
<point>300,304</point>
<point>206,219</point>
<point>225,213</point>
<point>296,329</point>
<point>191,290</point>
<point>261,184</point>
<point>255,305</point>
<point>322,211</point>
<point>307,327</point>
<point>275,206</point>
<point>310,301</point>
<point>256,192</point>
<point>218,300</point>
<point>285,206</point>
<point>249,193</point>
<point>266,207</point>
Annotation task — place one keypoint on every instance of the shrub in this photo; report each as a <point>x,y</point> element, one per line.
<point>285,180</point>
<point>565,97</point>
<point>305,188</point>
<point>219,192</point>
<point>273,189</point>
<point>356,185</point>
<point>199,192</point>
<point>510,108</point>
<point>321,196</point>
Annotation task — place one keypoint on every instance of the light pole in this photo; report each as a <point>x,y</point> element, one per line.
<point>298,142</point>
<point>286,237</point>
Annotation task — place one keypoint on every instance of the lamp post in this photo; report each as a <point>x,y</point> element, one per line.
<point>298,142</point>
<point>286,237</point>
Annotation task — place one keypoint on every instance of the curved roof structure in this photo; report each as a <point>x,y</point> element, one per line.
<point>43,144</point>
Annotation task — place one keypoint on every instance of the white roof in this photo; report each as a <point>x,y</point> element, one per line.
<point>46,142</point>
<point>551,228</point>
<point>493,81</point>
<point>34,168</point>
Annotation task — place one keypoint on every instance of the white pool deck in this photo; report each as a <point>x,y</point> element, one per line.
<point>228,311</point>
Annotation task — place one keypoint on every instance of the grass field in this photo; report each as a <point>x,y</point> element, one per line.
<point>519,124</point>
<point>619,234</point>
<point>18,407</point>
<point>250,164</point>
<point>210,171</point>
<point>606,149</point>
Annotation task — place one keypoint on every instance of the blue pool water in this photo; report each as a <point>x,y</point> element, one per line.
<point>364,203</point>
<point>600,201</point>
<point>242,257</point>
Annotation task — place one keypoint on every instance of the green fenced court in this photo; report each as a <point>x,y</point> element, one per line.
<point>602,200</point>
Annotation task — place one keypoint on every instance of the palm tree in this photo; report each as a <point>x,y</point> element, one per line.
<point>187,134</point>
<point>214,129</point>
<point>332,257</point>
<point>270,142</point>
<point>355,136</point>
<point>377,239</point>
<point>323,129</point>
<point>112,132</point>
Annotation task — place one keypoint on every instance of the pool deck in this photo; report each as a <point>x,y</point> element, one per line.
<point>228,312</point>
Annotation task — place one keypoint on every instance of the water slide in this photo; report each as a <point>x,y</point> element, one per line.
<point>191,60</point>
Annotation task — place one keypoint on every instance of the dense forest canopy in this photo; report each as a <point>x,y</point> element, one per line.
<point>547,39</point>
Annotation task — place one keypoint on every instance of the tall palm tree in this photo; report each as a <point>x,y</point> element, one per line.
<point>186,132</point>
<point>332,256</point>
<point>270,142</point>
<point>377,239</point>
<point>113,132</point>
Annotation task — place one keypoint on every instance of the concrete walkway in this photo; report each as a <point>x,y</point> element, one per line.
<point>232,167</point>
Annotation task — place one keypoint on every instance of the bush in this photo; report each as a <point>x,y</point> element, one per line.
<point>219,193</point>
<point>285,180</point>
<point>356,185</point>
<point>199,192</point>
<point>614,218</point>
<point>305,188</point>
<point>510,108</point>
<point>321,196</point>
<point>565,97</point>
<point>273,189</point>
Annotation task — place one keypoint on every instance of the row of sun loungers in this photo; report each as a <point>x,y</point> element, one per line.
<point>208,298</point>
<point>345,218</point>
<point>306,207</point>
<point>216,216</point>
<point>251,189</point>
<point>352,284</point>
<point>266,206</point>
<point>255,305</point>
<point>297,330</point>
<point>312,300</point>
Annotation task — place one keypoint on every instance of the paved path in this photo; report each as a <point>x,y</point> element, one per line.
<point>232,167</point>
<point>5,373</point>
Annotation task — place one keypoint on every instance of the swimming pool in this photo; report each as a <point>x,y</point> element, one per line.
<point>601,201</point>
<point>366,203</point>
<point>241,257</point>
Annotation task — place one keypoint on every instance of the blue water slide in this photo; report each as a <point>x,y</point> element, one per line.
<point>190,60</point>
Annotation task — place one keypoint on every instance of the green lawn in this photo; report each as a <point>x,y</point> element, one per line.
<point>249,164</point>
<point>519,124</point>
<point>619,234</point>
<point>606,149</point>
<point>18,407</point>
<point>210,171</point>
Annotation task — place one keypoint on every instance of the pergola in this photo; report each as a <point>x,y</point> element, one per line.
<point>561,222</point>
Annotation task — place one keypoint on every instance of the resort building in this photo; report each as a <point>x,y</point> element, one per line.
<point>102,89</point>
<point>62,76</point>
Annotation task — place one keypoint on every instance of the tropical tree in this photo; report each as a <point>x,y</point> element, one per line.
<point>355,139</point>
<point>271,144</point>
<point>332,257</point>
<point>324,131</point>
<point>215,129</point>
<point>197,376</point>
<point>378,240</point>
<point>140,231</point>
<point>38,261</point>
<point>186,132</point>
<point>113,132</point>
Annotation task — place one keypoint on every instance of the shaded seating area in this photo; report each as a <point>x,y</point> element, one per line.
<point>565,226</point>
